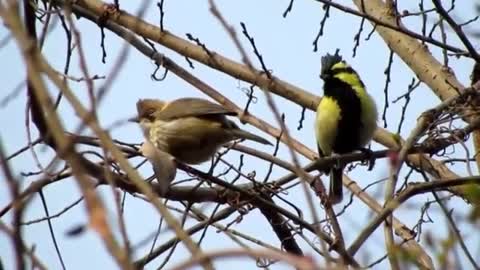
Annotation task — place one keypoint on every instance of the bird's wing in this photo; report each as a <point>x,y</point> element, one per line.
<point>185,107</point>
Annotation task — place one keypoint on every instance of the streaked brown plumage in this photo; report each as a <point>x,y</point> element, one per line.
<point>190,129</point>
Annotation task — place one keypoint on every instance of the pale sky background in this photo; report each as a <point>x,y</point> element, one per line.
<point>286,47</point>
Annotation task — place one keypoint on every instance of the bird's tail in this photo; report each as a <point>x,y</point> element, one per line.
<point>243,134</point>
<point>336,186</point>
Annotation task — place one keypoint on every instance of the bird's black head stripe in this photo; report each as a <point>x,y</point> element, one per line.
<point>343,70</point>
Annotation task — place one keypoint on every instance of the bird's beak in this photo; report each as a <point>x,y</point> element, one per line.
<point>134,120</point>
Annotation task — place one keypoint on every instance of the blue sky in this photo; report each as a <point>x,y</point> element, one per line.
<point>286,47</point>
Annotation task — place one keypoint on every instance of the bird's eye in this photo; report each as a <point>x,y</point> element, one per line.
<point>149,114</point>
<point>150,111</point>
<point>150,118</point>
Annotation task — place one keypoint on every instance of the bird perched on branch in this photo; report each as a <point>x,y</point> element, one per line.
<point>346,117</point>
<point>189,129</point>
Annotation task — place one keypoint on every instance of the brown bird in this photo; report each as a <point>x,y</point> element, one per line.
<point>189,129</point>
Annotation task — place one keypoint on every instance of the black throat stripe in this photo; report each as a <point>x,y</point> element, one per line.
<point>350,125</point>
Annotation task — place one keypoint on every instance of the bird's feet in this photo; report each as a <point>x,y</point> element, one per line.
<point>369,157</point>
<point>338,163</point>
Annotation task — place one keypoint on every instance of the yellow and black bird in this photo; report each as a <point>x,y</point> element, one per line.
<point>346,117</point>
<point>189,129</point>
